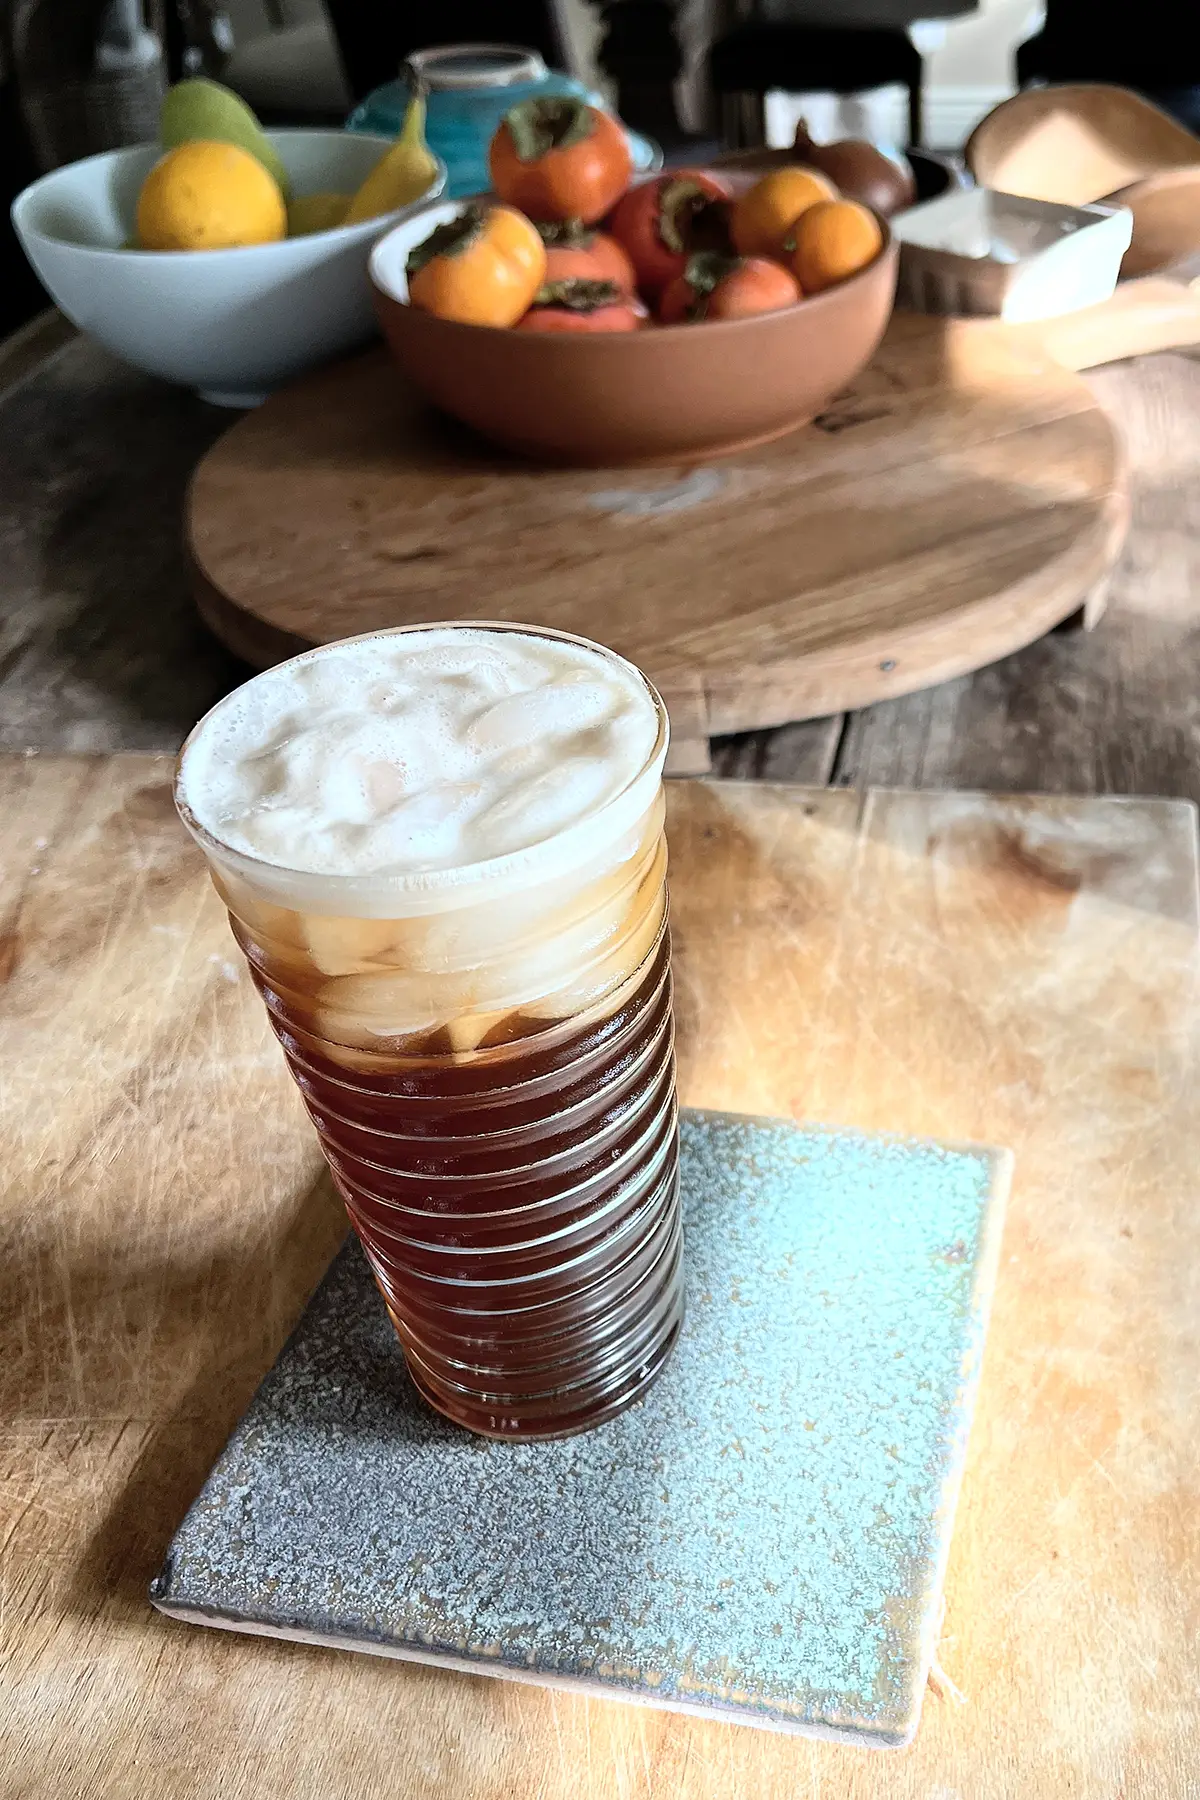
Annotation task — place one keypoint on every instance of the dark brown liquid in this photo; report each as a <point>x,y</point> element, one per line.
<point>519,1206</point>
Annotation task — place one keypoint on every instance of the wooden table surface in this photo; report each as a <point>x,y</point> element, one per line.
<point>100,647</point>
<point>1013,972</point>
<point>140,1307</point>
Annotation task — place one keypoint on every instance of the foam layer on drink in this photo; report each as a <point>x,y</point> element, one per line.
<point>416,765</point>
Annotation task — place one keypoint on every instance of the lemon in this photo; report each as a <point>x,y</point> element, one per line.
<point>316,212</point>
<point>209,196</point>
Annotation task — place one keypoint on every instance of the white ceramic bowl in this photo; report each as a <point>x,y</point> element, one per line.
<point>977,251</point>
<point>232,323</point>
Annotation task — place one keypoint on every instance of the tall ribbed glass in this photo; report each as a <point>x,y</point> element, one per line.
<point>488,1061</point>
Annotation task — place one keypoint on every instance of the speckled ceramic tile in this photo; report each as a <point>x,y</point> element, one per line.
<point>762,1539</point>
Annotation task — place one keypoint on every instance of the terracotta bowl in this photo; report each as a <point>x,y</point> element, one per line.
<point>678,393</point>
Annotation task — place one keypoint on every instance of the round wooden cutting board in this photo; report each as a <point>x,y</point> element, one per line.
<point>962,498</point>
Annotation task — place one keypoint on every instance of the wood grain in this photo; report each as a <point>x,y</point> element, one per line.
<point>1017,971</point>
<point>1108,711</point>
<point>960,499</point>
<point>29,346</point>
<point>100,646</point>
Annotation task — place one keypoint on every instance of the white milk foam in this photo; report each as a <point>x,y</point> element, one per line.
<point>406,756</point>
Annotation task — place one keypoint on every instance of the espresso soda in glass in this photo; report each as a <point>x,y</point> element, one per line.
<point>442,853</point>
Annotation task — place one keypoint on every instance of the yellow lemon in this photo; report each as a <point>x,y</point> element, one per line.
<point>209,196</point>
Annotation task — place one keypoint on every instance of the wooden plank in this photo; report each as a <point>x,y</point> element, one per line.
<point>100,646</point>
<point>28,348</point>
<point>1017,971</point>
<point>805,752</point>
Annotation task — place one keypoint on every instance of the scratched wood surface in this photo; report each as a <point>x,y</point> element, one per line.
<point>101,648</point>
<point>1016,971</point>
<point>959,499</point>
<point>1104,711</point>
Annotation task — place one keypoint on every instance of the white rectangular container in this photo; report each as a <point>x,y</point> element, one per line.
<point>982,252</point>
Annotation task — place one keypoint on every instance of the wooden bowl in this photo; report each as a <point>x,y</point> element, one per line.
<point>678,393</point>
<point>1166,220</point>
<point>1075,143</point>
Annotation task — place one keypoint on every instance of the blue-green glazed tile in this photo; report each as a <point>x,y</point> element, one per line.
<point>762,1539</point>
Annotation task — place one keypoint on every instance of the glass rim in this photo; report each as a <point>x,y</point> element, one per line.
<point>459,877</point>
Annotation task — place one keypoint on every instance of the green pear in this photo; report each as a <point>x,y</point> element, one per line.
<point>198,108</point>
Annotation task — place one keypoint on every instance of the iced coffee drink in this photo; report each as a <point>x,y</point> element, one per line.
<point>442,853</point>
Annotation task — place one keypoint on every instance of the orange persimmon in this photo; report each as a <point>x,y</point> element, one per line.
<point>660,223</point>
<point>728,287</point>
<point>764,216</point>
<point>558,158</point>
<point>577,304</point>
<point>481,268</point>
<point>832,242</point>
<point>575,251</point>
